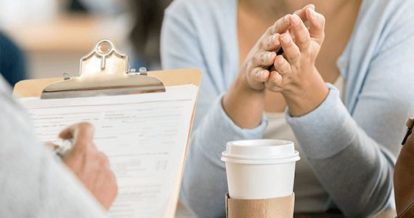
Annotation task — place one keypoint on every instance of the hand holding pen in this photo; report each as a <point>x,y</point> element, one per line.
<point>410,125</point>
<point>88,164</point>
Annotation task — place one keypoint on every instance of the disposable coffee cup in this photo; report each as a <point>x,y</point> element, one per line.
<point>260,169</point>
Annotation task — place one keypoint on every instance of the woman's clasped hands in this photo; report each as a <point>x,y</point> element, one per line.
<point>293,73</point>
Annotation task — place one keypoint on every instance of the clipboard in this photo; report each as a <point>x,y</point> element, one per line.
<point>35,87</point>
<point>109,66</point>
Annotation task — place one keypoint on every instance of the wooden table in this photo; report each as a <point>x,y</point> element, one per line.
<point>75,33</point>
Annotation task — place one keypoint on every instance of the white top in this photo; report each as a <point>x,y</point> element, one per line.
<point>310,195</point>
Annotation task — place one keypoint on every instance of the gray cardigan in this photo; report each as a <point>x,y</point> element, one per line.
<point>32,182</point>
<point>351,146</point>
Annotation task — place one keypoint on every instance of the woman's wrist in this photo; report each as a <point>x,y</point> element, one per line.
<point>243,104</point>
<point>304,100</point>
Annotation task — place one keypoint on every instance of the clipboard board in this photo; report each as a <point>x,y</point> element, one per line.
<point>110,65</point>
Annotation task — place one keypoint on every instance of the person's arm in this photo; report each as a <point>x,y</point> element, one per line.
<point>353,154</point>
<point>33,183</point>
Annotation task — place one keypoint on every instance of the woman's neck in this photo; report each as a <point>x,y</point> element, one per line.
<point>273,9</point>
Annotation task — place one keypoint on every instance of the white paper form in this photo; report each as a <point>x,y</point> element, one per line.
<point>144,136</point>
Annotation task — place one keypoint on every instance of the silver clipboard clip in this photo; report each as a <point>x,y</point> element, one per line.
<point>103,72</point>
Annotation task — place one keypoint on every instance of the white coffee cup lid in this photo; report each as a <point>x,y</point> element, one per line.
<point>261,148</point>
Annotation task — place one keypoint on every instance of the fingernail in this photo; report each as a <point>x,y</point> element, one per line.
<point>273,39</point>
<point>285,38</point>
<point>311,11</point>
<point>259,74</point>
<point>311,6</point>
<point>277,77</point>
<point>270,56</point>
<point>295,19</point>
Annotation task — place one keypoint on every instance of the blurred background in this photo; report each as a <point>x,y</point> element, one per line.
<point>46,38</point>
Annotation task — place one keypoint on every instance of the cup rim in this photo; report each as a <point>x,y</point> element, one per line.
<point>245,142</point>
<point>269,157</point>
<point>267,160</point>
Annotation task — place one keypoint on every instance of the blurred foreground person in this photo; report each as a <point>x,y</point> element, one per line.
<point>34,183</point>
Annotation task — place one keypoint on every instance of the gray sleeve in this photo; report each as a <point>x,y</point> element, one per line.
<point>204,183</point>
<point>33,183</point>
<point>353,155</point>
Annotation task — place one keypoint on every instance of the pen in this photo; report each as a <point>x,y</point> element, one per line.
<point>410,125</point>
<point>62,146</point>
